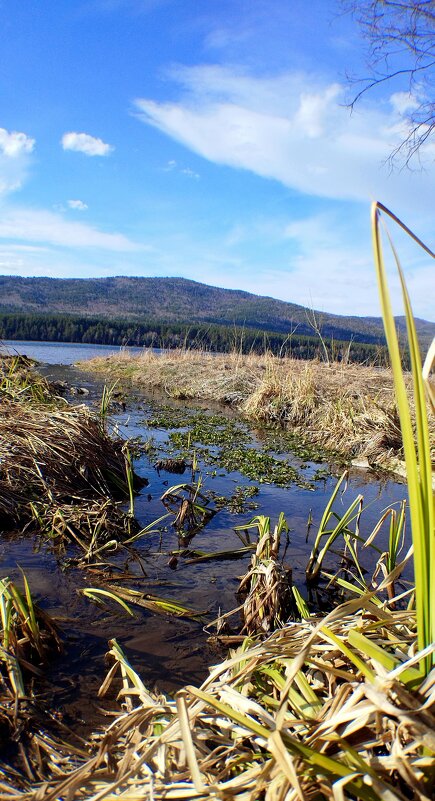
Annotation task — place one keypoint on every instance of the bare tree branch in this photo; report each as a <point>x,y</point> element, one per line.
<point>400,37</point>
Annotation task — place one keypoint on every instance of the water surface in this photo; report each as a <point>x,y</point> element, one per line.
<point>61,352</point>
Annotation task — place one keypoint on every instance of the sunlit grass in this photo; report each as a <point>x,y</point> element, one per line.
<point>417,449</point>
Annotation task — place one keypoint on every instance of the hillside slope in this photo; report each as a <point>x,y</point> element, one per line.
<point>181,300</point>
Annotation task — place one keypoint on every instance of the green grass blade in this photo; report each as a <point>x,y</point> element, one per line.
<point>418,464</point>
<point>94,594</point>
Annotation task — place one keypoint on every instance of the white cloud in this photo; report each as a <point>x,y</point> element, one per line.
<point>292,128</point>
<point>13,143</point>
<point>402,102</point>
<point>32,225</point>
<point>15,150</point>
<point>332,267</point>
<point>84,143</point>
<point>77,205</point>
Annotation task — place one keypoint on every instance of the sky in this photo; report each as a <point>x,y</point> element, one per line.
<point>207,139</point>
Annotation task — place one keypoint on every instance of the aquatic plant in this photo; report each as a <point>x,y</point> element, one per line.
<point>266,587</point>
<point>302,714</point>
<point>106,401</point>
<point>340,526</point>
<point>28,637</point>
<point>325,709</point>
<point>417,450</point>
<point>189,506</point>
<point>154,603</point>
<point>344,408</point>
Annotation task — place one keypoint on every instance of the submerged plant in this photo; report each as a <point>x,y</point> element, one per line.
<point>189,506</point>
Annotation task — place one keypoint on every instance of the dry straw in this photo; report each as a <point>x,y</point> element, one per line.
<point>60,470</point>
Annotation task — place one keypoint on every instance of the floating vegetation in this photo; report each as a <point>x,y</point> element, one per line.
<point>277,439</point>
<point>261,467</point>
<point>239,502</point>
<point>340,408</point>
<point>251,462</point>
<point>227,444</point>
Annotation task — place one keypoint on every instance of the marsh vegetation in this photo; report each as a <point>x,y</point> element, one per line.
<point>328,692</point>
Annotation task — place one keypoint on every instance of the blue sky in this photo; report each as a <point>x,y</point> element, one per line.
<point>207,139</point>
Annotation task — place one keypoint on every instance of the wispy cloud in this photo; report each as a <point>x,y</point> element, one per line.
<point>293,128</point>
<point>331,267</point>
<point>172,166</point>
<point>32,225</point>
<point>77,205</point>
<point>190,173</point>
<point>85,143</point>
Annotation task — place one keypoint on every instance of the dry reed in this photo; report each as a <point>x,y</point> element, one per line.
<point>58,466</point>
<point>299,716</point>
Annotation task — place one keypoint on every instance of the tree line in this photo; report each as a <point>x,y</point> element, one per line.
<point>161,334</point>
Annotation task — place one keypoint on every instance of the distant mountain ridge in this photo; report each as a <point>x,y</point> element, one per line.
<point>182,300</point>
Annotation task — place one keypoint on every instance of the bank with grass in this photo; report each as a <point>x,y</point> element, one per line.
<point>61,474</point>
<point>349,410</point>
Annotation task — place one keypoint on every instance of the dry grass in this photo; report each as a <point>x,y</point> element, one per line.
<point>293,718</point>
<point>58,467</point>
<point>322,710</point>
<point>267,586</point>
<point>349,409</point>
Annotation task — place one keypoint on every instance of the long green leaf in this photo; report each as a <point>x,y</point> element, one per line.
<point>418,463</point>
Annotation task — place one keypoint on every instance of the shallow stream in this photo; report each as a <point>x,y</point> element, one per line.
<point>170,652</point>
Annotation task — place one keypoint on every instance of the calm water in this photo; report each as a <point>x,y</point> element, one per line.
<point>166,651</point>
<point>61,352</point>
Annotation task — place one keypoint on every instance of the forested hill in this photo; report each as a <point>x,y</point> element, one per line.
<point>178,300</point>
